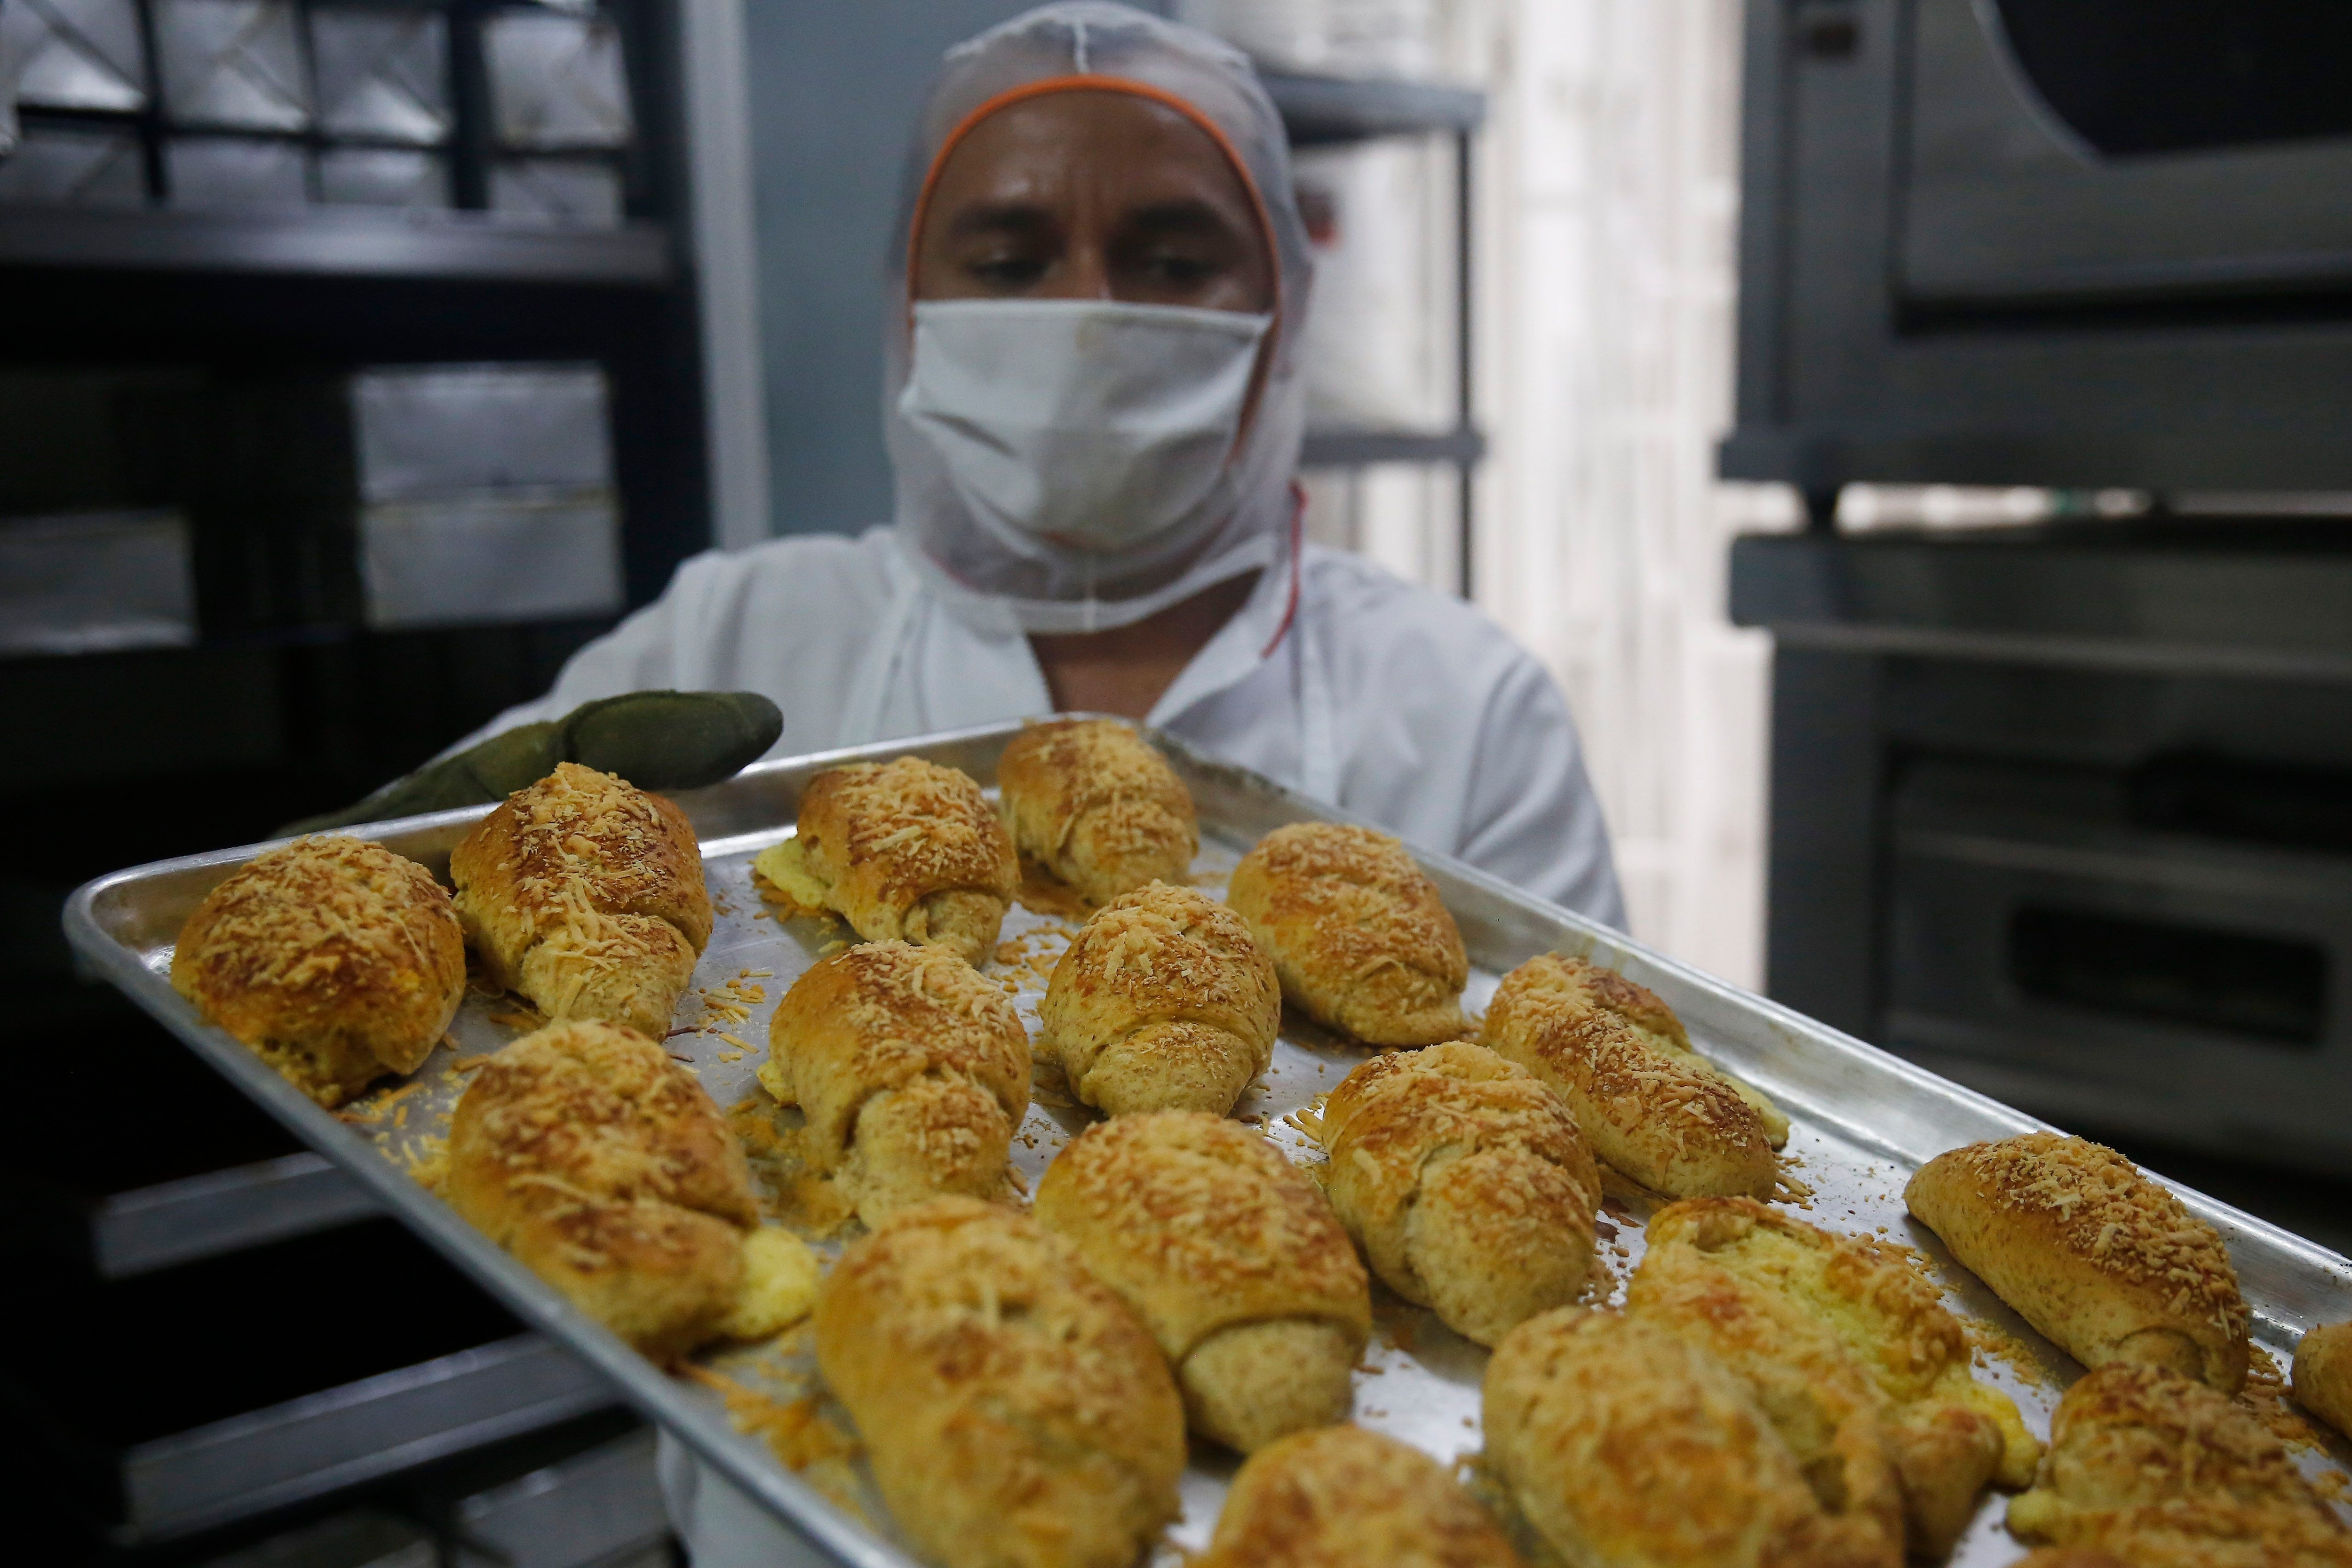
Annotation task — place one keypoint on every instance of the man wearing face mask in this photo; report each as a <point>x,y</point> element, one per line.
<point>1093,413</point>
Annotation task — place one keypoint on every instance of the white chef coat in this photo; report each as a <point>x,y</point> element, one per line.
<point>1407,707</point>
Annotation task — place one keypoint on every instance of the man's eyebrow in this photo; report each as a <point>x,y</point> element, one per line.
<point>1186,216</point>
<point>999,217</point>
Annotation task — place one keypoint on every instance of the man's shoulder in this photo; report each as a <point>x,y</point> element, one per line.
<point>833,566</point>
<point>1367,610</point>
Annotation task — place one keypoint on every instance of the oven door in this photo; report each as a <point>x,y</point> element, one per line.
<point>2068,150</point>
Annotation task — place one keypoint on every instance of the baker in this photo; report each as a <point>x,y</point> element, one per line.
<point>1099,284</point>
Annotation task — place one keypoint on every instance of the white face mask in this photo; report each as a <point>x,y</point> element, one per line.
<point>1086,424</point>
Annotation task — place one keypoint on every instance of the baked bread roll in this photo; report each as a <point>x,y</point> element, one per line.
<point>1466,1184</point>
<point>2147,1463</point>
<point>1823,1404</point>
<point>1341,1497</point>
<point>913,1072</point>
<point>585,894</point>
<point>904,851</point>
<point>1654,1024</point>
<point>1625,1446</point>
<point>601,1164</point>
<point>1736,1265</point>
<point>1015,1414</point>
<point>2322,1374</point>
<point>336,961</point>
<point>1097,807</point>
<point>1231,1258</point>
<point>1163,1001</point>
<point>1670,1121</point>
<point>1362,941</point>
<point>2107,1264</point>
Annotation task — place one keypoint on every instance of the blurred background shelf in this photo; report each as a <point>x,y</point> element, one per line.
<point>324,242</point>
<point>1342,449</point>
<point>1321,110</point>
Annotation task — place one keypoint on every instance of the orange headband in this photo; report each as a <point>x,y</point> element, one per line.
<point>1090,83</point>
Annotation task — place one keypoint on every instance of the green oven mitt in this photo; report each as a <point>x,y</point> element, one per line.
<point>656,739</point>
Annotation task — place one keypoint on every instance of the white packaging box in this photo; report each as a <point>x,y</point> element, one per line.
<point>73,165</point>
<point>96,583</point>
<point>384,75</point>
<point>208,174</point>
<point>490,557</point>
<point>453,429</point>
<point>236,64</point>
<point>71,54</point>
<point>382,177</point>
<point>556,80</point>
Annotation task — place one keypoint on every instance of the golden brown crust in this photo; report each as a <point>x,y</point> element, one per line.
<point>1823,1404</point>
<point>1097,806</point>
<point>1674,1124</point>
<point>1205,1230</point>
<point>910,851</point>
<point>912,1069</point>
<point>2147,1463</point>
<point>1015,1413</point>
<point>1733,1265</point>
<point>1624,1446</point>
<point>585,894</point>
<point>1466,1184</point>
<point>2322,1373</point>
<point>601,1164</point>
<point>2104,1262</point>
<point>1358,935</point>
<point>336,960</point>
<point>1341,1497</point>
<point>1164,1002</point>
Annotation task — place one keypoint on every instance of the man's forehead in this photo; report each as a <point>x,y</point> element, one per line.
<point>1028,151</point>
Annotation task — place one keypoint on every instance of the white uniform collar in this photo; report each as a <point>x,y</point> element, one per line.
<point>1254,632</point>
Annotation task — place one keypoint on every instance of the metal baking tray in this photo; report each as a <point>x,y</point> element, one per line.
<point>1861,1121</point>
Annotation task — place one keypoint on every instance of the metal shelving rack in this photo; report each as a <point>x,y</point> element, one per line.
<point>1322,112</point>
<point>184,747</point>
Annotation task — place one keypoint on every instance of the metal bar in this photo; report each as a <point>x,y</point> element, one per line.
<point>1464,223</point>
<point>179,1222</point>
<point>338,243</point>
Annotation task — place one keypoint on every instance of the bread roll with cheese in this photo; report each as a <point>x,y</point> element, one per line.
<point>1358,933</point>
<point>1341,1497</point>
<point>1655,1025</point>
<point>601,1164</point>
<point>2322,1373</point>
<point>336,961</point>
<point>1015,1414</point>
<point>1671,1122</point>
<point>2154,1466</point>
<point>1231,1258</point>
<point>1825,1407</point>
<point>2104,1262</point>
<point>1466,1184</point>
<point>1097,807</point>
<point>913,1072</point>
<point>1163,1001</point>
<point>1740,1269</point>
<point>1623,1444</point>
<point>904,851</point>
<point>585,894</point>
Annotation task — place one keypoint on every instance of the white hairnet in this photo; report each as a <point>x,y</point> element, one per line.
<point>1054,588</point>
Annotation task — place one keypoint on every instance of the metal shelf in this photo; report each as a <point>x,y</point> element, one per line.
<point>1356,448</point>
<point>179,1222</point>
<point>1318,111</point>
<point>341,1437</point>
<point>338,243</point>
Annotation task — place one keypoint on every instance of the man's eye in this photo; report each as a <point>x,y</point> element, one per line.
<point>1171,266</point>
<point>1008,271</point>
